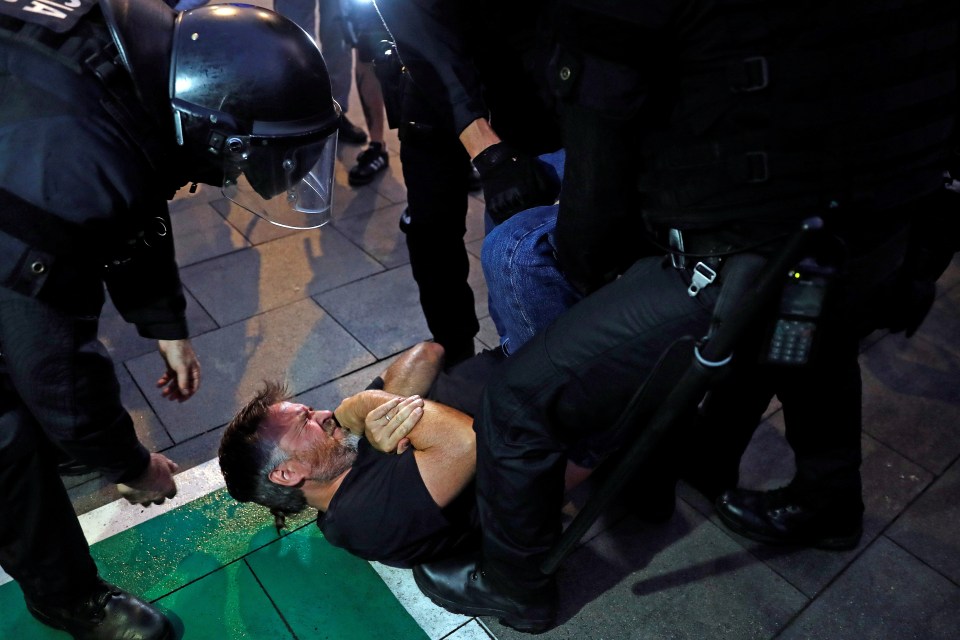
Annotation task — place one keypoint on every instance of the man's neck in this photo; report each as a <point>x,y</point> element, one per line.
<point>320,494</point>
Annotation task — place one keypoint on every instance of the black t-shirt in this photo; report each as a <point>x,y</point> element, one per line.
<point>383,511</point>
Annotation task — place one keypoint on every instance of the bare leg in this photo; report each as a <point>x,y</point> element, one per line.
<point>371,99</point>
<point>415,370</point>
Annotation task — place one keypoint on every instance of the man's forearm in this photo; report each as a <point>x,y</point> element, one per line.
<point>442,439</point>
<point>353,410</point>
<point>439,425</point>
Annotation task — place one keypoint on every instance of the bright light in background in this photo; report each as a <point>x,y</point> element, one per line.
<point>183,85</point>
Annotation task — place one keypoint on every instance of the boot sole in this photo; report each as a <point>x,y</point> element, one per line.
<point>523,625</point>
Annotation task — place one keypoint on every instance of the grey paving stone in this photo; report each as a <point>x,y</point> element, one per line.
<point>299,343</point>
<point>950,277</point>
<point>92,494</point>
<point>912,388</point>
<point>886,593</point>
<point>240,285</point>
<point>681,580</point>
<point>122,340</point>
<point>150,429</point>
<point>329,395</point>
<point>475,223</point>
<point>488,333</point>
<point>928,528</point>
<point>890,483</point>
<point>196,450</point>
<point>73,481</point>
<point>392,138</point>
<point>768,461</point>
<point>382,311</point>
<point>872,338</point>
<point>478,195</point>
<point>183,198</point>
<point>479,286</point>
<point>474,247</point>
<point>200,233</point>
<point>255,229</point>
<point>389,183</point>
<point>378,233</point>
<point>346,202</point>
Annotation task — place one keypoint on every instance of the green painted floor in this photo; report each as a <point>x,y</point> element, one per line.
<point>219,570</point>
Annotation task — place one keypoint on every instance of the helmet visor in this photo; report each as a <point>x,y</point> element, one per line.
<point>286,183</point>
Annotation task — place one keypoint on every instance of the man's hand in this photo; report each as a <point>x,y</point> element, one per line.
<point>513,182</point>
<point>182,378</point>
<point>387,426</point>
<point>154,485</point>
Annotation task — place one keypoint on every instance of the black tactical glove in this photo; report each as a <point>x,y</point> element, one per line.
<point>513,181</point>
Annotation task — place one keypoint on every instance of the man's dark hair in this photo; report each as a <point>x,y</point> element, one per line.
<point>247,456</point>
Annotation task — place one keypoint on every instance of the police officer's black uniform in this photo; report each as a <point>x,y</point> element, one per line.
<point>464,60</point>
<point>95,137</point>
<point>748,117</point>
<point>81,204</point>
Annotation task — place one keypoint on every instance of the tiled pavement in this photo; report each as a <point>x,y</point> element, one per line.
<point>324,309</point>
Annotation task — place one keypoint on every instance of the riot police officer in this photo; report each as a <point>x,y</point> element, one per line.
<point>469,92</point>
<point>107,108</point>
<point>745,118</point>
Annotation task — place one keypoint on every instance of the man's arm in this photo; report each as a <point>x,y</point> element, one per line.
<point>444,444</point>
<point>446,456</point>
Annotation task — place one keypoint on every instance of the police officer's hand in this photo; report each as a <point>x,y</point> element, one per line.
<point>513,181</point>
<point>154,485</point>
<point>182,378</point>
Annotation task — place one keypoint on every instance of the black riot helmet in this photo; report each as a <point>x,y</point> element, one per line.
<point>250,96</point>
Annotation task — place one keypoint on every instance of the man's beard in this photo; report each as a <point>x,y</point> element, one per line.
<point>339,458</point>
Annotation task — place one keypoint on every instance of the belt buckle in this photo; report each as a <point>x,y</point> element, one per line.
<point>701,277</point>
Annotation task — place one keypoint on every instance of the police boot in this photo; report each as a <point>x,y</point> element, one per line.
<point>107,613</point>
<point>460,585</point>
<point>781,517</point>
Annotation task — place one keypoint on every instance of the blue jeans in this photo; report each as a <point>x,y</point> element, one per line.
<point>527,290</point>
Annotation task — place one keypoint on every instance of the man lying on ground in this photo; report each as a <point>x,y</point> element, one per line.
<point>390,473</point>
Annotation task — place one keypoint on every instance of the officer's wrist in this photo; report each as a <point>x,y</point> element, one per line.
<point>477,137</point>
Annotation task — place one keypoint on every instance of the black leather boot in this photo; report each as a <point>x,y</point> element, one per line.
<point>459,585</point>
<point>779,517</point>
<point>107,613</point>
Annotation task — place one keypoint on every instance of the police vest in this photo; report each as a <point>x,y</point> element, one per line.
<point>73,35</point>
<point>784,108</point>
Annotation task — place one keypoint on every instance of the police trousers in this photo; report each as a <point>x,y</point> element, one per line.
<point>563,388</point>
<point>56,383</point>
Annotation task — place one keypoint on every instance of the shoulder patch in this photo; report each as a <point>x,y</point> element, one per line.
<point>57,15</point>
